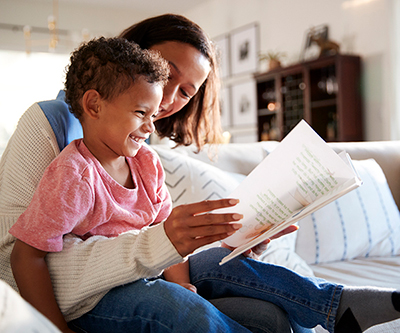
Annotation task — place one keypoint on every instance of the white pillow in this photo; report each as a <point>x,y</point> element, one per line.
<point>362,223</point>
<point>280,251</point>
<point>190,180</point>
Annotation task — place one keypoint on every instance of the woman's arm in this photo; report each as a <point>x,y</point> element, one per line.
<point>33,279</point>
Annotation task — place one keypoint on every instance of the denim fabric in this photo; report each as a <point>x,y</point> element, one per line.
<point>309,301</point>
<point>65,126</point>
<point>154,306</point>
<point>160,306</point>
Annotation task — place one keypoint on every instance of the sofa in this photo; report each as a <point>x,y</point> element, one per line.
<point>354,240</point>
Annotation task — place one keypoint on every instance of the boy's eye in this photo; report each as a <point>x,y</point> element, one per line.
<point>142,113</point>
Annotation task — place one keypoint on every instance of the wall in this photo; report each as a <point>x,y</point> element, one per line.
<point>370,29</point>
<point>363,27</point>
<point>73,18</point>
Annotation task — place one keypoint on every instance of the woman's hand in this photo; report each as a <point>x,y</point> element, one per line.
<point>192,226</point>
<point>260,248</point>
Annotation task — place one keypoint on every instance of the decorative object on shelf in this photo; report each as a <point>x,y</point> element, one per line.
<point>273,57</point>
<point>244,44</point>
<point>222,44</point>
<point>318,36</point>
<point>244,106</point>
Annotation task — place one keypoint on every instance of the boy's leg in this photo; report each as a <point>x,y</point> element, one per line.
<point>308,301</point>
<point>154,306</point>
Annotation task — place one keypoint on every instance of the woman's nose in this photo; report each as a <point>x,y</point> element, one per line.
<point>170,92</point>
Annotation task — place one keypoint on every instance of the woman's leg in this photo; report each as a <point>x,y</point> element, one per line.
<point>308,301</point>
<point>154,306</point>
<point>256,315</point>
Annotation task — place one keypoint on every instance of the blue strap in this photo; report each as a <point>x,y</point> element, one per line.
<point>66,127</point>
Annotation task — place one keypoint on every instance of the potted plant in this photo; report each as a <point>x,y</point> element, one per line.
<point>273,57</point>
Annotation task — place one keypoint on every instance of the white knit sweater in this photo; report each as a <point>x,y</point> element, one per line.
<point>85,270</point>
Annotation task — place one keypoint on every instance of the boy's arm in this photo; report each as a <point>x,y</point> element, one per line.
<point>33,279</point>
<point>179,274</point>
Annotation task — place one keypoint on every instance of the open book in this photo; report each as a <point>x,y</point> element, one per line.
<point>301,175</point>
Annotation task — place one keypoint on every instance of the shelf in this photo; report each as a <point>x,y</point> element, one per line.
<point>323,103</point>
<point>320,91</point>
<point>266,112</point>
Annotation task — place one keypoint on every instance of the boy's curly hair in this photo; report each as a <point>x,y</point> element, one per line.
<point>110,66</point>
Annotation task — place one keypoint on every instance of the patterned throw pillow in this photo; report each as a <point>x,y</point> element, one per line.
<point>190,180</point>
<point>362,223</point>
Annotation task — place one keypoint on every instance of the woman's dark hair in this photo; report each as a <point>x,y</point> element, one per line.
<point>110,66</point>
<point>199,121</point>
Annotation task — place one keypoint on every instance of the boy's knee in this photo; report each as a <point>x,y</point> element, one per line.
<point>208,258</point>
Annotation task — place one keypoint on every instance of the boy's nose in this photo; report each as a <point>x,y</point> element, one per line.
<point>148,126</point>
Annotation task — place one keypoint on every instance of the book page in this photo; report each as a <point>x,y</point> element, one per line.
<point>300,171</point>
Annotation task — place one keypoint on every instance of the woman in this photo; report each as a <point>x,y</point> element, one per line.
<point>193,91</point>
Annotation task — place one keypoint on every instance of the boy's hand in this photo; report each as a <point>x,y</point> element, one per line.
<point>189,287</point>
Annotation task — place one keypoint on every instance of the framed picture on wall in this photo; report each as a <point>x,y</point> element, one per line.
<point>222,44</point>
<point>225,108</point>
<point>244,108</point>
<point>244,45</point>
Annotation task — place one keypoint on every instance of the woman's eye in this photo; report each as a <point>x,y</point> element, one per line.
<point>185,94</point>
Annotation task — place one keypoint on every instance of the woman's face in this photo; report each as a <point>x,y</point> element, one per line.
<point>189,69</point>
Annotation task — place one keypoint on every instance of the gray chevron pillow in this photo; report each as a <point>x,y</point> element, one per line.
<point>190,180</point>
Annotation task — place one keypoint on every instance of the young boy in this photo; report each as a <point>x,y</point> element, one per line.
<point>106,183</point>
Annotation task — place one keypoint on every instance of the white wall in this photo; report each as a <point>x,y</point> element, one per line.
<point>366,28</point>
<point>370,29</point>
<point>73,18</point>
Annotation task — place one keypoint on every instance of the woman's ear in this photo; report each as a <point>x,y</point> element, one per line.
<point>91,102</point>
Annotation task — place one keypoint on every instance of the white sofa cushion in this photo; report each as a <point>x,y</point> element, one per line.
<point>363,223</point>
<point>281,252</point>
<point>239,158</point>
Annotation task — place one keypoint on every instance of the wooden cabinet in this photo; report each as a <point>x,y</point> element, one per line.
<point>325,92</point>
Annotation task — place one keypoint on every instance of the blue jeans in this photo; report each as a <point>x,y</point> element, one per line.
<point>161,306</point>
<point>309,301</point>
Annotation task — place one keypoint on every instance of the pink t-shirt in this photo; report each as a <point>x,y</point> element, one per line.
<point>76,195</point>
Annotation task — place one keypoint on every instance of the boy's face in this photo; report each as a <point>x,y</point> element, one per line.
<point>127,120</point>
